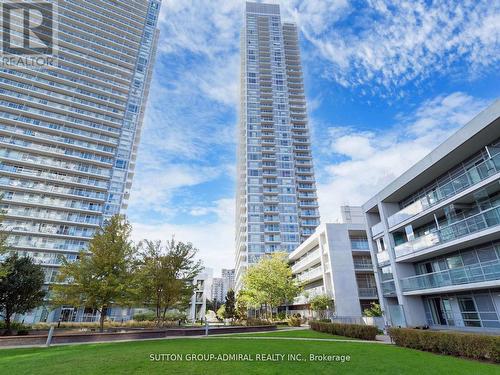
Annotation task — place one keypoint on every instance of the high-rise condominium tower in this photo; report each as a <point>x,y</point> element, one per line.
<point>69,134</point>
<point>276,205</point>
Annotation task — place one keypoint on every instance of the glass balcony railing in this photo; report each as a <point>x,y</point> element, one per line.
<point>473,176</point>
<point>316,272</point>
<point>389,288</point>
<point>363,265</point>
<point>473,224</point>
<point>367,292</point>
<point>359,244</point>
<point>315,255</point>
<point>377,229</point>
<point>383,257</point>
<point>486,271</point>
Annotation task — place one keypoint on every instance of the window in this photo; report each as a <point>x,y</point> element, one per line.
<point>469,312</point>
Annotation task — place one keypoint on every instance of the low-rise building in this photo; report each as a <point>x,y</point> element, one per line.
<point>201,293</point>
<point>335,261</point>
<point>435,233</point>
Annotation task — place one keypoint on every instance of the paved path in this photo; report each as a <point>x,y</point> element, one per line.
<point>294,338</point>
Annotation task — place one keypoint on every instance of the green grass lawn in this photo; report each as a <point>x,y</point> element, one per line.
<point>134,358</point>
<point>304,333</point>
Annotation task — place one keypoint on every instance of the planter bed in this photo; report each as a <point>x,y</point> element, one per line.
<point>79,337</point>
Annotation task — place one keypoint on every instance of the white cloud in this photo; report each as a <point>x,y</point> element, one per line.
<point>215,239</point>
<point>388,43</point>
<point>372,159</point>
<point>154,187</point>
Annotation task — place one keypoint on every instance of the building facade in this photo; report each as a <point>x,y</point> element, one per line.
<point>202,292</point>
<point>69,134</point>
<point>276,203</point>
<point>227,279</point>
<point>222,285</point>
<point>218,290</point>
<point>435,233</point>
<point>335,261</point>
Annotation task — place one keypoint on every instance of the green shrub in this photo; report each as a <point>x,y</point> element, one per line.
<point>280,316</point>
<point>145,316</point>
<point>294,321</point>
<point>175,316</point>
<point>357,331</point>
<point>107,325</point>
<point>16,326</point>
<point>475,346</point>
<point>258,322</point>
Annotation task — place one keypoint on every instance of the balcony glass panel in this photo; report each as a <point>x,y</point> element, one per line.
<point>363,265</point>
<point>367,292</point>
<point>383,257</point>
<point>473,176</point>
<point>389,288</point>
<point>377,229</point>
<point>473,224</point>
<point>359,244</point>
<point>307,259</point>
<point>486,271</point>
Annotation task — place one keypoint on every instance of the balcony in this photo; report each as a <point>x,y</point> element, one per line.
<point>359,244</point>
<point>476,273</point>
<point>308,294</point>
<point>383,257</point>
<point>473,176</point>
<point>367,292</point>
<point>377,229</point>
<point>389,288</point>
<point>314,255</point>
<point>476,223</point>
<point>363,266</point>
<point>310,275</point>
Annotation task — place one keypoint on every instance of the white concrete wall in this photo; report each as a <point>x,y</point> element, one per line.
<point>342,270</point>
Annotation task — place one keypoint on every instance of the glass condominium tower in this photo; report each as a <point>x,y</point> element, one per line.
<point>276,202</point>
<point>69,134</point>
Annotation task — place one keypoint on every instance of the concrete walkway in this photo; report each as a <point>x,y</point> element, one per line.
<point>381,339</point>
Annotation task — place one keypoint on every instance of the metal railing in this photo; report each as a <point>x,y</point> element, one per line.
<point>473,176</point>
<point>473,224</point>
<point>475,273</point>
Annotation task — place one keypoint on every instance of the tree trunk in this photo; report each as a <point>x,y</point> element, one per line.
<point>101,319</point>
<point>158,309</point>
<point>8,331</point>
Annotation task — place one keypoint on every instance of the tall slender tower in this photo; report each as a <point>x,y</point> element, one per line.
<point>69,132</point>
<point>276,203</point>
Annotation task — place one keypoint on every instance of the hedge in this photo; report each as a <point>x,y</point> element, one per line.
<point>357,331</point>
<point>475,346</point>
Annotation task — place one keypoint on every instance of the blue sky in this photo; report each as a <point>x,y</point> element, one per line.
<point>386,82</point>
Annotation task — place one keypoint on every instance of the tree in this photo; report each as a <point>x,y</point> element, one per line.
<point>230,305</point>
<point>221,312</point>
<point>102,276</point>
<point>374,310</point>
<point>213,305</point>
<point>164,275</point>
<point>320,304</point>
<point>244,300</point>
<point>270,281</point>
<point>3,242</point>
<point>20,288</point>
